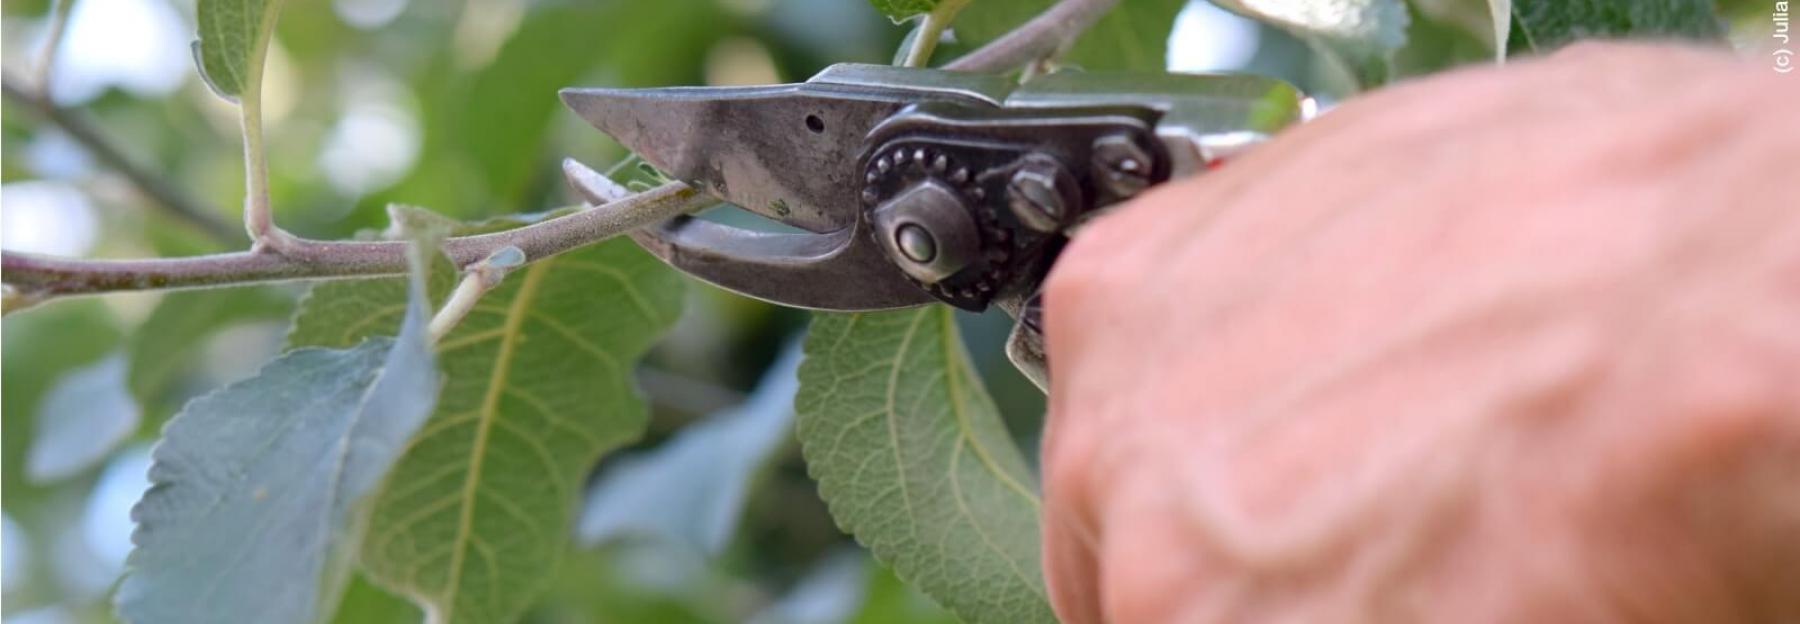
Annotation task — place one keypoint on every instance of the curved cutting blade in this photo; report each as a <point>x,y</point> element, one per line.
<point>787,152</point>
<point>842,270</point>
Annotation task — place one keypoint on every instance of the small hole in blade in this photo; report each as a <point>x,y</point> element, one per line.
<point>815,124</point>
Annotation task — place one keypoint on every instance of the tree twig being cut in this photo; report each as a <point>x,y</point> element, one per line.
<point>39,276</point>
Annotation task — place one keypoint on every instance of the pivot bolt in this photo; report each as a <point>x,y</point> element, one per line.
<point>1120,165</point>
<point>915,243</point>
<point>928,230</point>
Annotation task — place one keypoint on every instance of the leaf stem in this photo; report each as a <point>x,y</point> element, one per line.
<point>259,221</point>
<point>931,29</point>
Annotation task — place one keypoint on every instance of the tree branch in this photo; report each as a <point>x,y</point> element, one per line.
<point>46,59</point>
<point>1040,37</point>
<point>161,194</point>
<point>38,277</point>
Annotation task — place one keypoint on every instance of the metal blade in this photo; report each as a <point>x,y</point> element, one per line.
<point>787,152</point>
<point>842,270</point>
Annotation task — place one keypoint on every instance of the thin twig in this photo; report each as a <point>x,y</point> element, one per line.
<point>479,278</point>
<point>41,276</point>
<point>161,194</point>
<point>931,29</point>
<point>59,22</point>
<point>1040,37</point>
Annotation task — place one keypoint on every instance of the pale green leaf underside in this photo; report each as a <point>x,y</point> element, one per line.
<point>1362,35</point>
<point>912,458</point>
<point>259,489</point>
<point>228,47</point>
<point>691,490</point>
<point>81,420</point>
<point>538,384</point>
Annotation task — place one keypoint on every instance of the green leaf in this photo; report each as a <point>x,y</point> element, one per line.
<point>1360,35</point>
<point>538,385</point>
<point>1545,25</point>
<point>258,490</point>
<point>1133,36</point>
<point>84,417</point>
<point>911,456</point>
<point>900,10</point>
<point>691,490</point>
<point>1486,20</point>
<point>233,37</point>
<point>364,603</point>
<point>1445,34</point>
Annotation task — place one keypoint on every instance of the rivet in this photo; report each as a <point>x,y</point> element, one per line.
<point>915,243</point>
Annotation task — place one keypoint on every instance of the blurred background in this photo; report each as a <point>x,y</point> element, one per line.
<point>447,104</point>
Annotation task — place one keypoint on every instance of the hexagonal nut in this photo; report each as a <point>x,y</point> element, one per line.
<point>1120,165</point>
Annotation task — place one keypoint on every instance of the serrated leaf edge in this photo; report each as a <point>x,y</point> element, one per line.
<point>956,359</point>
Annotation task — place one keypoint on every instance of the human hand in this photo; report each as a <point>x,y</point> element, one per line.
<point>1516,344</point>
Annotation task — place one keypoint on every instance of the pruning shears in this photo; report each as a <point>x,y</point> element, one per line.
<point>917,186</point>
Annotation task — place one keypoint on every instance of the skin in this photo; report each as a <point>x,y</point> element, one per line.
<point>1507,344</point>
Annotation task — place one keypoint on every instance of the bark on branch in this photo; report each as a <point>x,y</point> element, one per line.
<point>38,276</point>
